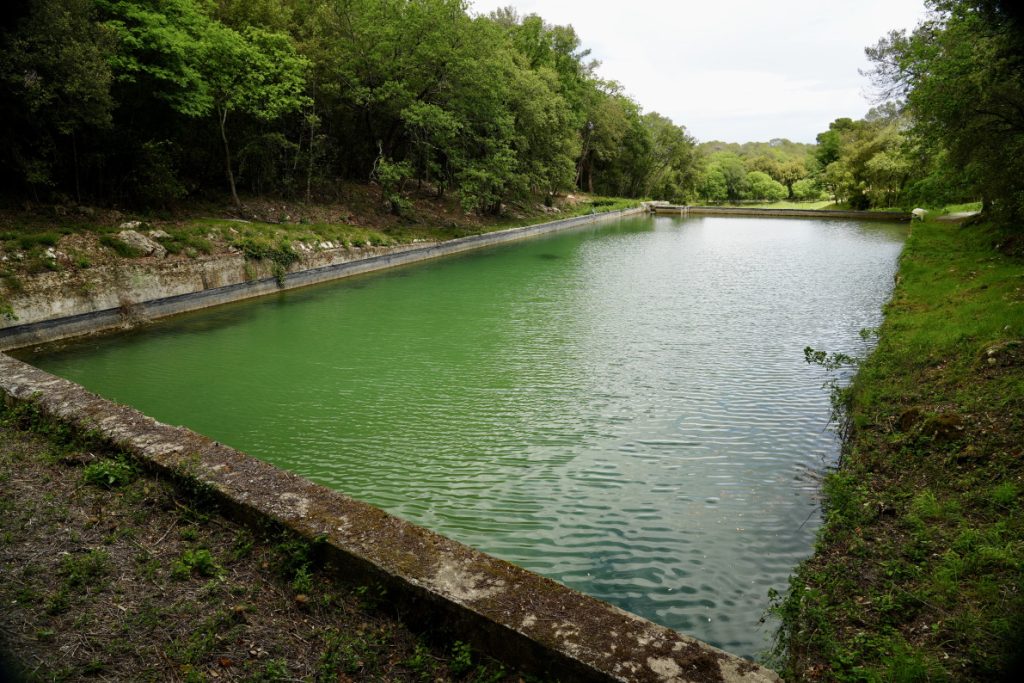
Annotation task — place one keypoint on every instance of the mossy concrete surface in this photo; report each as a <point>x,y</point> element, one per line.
<point>503,610</point>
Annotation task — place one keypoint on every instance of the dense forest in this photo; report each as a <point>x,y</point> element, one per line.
<point>147,102</point>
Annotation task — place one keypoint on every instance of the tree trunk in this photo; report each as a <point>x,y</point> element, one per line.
<point>223,116</point>
<point>74,152</point>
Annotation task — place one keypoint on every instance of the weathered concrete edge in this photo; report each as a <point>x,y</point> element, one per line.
<point>44,331</point>
<point>893,216</point>
<point>512,614</point>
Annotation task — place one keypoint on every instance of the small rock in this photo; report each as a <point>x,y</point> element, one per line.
<point>159,235</point>
<point>1004,353</point>
<point>130,225</point>
<point>944,428</point>
<point>142,244</point>
<point>908,419</point>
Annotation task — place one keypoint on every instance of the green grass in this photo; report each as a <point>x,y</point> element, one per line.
<point>820,204</point>
<point>959,208</point>
<point>918,572</point>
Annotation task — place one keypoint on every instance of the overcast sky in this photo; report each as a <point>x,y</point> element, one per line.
<point>734,70</point>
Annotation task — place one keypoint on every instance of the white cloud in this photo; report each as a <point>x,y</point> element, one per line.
<point>734,70</point>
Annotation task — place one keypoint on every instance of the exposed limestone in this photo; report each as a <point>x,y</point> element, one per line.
<point>142,244</point>
<point>57,305</point>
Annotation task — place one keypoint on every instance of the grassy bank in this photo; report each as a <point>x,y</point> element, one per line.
<point>110,574</point>
<point>918,572</point>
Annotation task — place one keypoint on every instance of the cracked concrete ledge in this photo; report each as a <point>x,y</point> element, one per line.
<point>135,292</point>
<point>514,615</point>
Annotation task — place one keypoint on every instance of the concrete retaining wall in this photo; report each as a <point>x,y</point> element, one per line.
<point>60,305</point>
<point>528,621</point>
<point>895,216</point>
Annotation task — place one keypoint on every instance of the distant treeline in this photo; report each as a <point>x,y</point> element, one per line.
<point>149,101</point>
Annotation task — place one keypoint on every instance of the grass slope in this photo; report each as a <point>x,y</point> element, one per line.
<point>918,572</point>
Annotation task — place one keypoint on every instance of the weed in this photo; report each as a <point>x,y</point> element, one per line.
<point>292,555</point>
<point>244,544</point>
<point>192,649</point>
<point>121,248</point>
<point>485,674</point>
<point>34,240</point>
<point>461,661</point>
<point>350,652</point>
<point>199,561</point>
<point>1004,495</point>
<point>370,596</point>
<point>274,671</point>
<point>82,570</point>
<point>421,663</point>
<point>303,581</point>
<point>259,249</point>
<point>109,474</point>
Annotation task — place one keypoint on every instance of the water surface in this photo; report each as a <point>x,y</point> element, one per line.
<point>624,408</point>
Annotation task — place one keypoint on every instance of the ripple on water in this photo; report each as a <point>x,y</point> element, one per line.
<point>624,409</point>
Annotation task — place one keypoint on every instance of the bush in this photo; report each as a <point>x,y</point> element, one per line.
<point>109,474</point>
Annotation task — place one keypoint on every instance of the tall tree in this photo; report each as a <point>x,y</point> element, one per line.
<point>961,73</point>
<point>56,77</point>
<point>255,72</point>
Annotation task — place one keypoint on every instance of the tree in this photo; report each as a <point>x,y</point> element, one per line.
<point>672,166</point>
<point>961,74</point>
<point>733,171</point>
<point>255,72</point>
<point>806,190</point>
<point>55,67</point>
<point>758,185</point>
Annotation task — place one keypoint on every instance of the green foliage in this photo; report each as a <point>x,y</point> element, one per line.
<point>921,555</point>
<point>57,76</point>
<point>109,474</point>
<point>760,186</point>
<point>960,77</point>
<point>121,248</point>
<point>867,163</point>
<point>151,102</point>
<point>461,662</point>
<point>806,190</point>
<point>83,570</point>
<point>421,663</point>
<point>195,561</point>
<point>281,254</point>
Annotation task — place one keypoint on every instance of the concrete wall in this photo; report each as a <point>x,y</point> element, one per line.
<point>517,616</point>
<point>59,305</point>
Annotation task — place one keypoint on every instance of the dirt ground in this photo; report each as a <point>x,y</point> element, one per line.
<point>109,574</point>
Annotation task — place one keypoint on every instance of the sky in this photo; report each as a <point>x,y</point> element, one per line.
<point>734,70</point>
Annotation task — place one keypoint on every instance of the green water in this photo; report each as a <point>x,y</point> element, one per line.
<point>624,408</point>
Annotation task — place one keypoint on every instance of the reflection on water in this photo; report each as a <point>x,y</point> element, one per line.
<point>625,409</point>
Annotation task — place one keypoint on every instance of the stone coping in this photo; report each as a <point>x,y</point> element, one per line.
<point>510,613</point>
